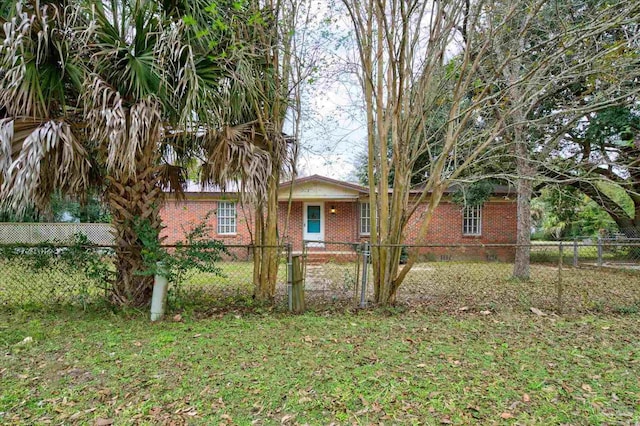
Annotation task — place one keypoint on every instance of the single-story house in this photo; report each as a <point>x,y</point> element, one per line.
<point>325,209</point>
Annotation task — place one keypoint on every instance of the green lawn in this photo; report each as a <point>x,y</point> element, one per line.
<point>587,253</point>
<point>22,286</point>
<point>250,368</point>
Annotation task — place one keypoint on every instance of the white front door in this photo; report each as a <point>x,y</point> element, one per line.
<point>313,222</point>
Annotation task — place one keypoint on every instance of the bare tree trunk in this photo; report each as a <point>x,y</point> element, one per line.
<point>399,102</point>
<point>521,267</point>
<point>524,169</point>
<point>265,260</point>
<point>525,172</point>
<point>257,249</point>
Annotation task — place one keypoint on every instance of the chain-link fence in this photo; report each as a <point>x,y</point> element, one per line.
<point>234,280</point>
<point>570,276</point>
<point>618,252</point>
<point>332,272</point>
<point>561,277</point>
<point>46,275</point>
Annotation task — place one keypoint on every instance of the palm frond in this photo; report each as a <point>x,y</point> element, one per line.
<point>122,131</point>
<point>246,155</point>
<point>6,147</point>
<point>51,157</point>
<point>172,178</point>
<point>34,56</point>
<point>124,53</point>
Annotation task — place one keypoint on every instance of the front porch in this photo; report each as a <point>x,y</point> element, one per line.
<point>322,210</point>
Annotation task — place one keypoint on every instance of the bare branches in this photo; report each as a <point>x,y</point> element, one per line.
<point>450,85</point>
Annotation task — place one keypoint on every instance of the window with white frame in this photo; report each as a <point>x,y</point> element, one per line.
<point>226,217</point>
<point>472,220</point>
<point>365,218</point>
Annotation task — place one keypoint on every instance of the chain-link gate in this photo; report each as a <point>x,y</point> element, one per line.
<point>334,272</point>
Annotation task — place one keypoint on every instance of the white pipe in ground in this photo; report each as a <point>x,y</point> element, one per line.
<point>159,297</point>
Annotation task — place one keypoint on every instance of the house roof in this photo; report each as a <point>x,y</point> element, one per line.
<point>497,189</point>
<point>324,179</point>
<point>193,189</point>
<point>351,190</point>
<point>196,187</point>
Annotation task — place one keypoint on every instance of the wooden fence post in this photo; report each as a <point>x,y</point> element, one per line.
<point>297,285</point>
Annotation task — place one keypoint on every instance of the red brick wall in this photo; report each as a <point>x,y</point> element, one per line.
<point>498,223</point>
<point>295,223</point>
<point>498,227</point>
<point>180,217</point>
<point>344,224</point>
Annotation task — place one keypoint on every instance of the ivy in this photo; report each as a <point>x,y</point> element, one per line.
<point>196,254</point>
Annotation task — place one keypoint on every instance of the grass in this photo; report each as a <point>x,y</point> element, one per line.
<point>549,252</point>
<point>370,367</point>
<point>55,285</point>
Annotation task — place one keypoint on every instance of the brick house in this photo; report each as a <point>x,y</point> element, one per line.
<point>325,209</point>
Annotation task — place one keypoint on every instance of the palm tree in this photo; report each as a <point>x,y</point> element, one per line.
<point>120,95</point>
<point>40,129</point>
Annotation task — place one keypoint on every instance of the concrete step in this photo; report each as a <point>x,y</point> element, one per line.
<point>314,257</point>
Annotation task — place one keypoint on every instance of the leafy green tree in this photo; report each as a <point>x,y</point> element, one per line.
<point>29,214</point>
<point>90,209</point>
<point>568,213</point>
<point>62,209</point>
<point>602,153</point>
<point>573,71</point>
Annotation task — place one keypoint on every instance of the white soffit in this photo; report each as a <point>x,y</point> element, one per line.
<point>318,191</point>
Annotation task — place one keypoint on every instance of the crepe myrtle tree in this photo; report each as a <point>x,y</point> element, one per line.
<point>407,72</point>
<point>418,57</point>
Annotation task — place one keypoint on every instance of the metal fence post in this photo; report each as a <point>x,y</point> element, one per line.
<point>599,251</point>
<point>365,269</point>
<point>559,288</point>
<point>290,275</point>
<point>575,252</point>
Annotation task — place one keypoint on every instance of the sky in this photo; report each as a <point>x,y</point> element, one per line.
<point>333,131</point>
